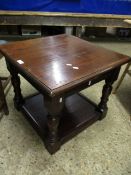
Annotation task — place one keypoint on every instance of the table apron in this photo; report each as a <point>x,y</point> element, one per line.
<point>67,91</point>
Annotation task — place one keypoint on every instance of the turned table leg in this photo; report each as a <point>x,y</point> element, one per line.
<point>18,99</point>
<point>54,107</point>
<point>107,88</point>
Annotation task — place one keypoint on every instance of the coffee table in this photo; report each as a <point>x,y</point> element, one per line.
<point>59,67</point>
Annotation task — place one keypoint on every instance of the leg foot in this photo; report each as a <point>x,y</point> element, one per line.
<point>54,107</point>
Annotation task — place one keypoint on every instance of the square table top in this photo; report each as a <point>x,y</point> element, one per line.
<point>61,61</point>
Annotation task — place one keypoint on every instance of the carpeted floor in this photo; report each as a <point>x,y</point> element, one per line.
<point>102,149</point>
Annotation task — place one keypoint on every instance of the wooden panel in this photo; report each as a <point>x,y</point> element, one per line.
<point>63,19</point>
<point>78,114</point>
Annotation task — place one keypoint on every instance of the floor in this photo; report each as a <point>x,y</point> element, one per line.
<point>102,149</point>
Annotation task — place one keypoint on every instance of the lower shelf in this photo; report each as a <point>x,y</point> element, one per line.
<point>77,114</point>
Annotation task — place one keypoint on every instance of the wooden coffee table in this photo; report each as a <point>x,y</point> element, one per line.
<point>59,67</point>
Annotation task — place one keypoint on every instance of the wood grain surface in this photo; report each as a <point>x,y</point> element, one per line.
<point>62,61</point>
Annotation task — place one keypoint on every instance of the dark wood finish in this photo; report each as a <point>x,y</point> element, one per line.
<point>54,107</point>
<point>48,56</point>
<point>59,67</point>
<point>18,99</point>
<point>77,114</point>
<point>63,19</point>
<point>3,103</point>
<point>102,106</point>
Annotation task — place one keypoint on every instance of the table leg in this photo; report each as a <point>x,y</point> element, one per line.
<point>18,98</point>
<point>107,88</point>
<point>54,107</point>
<point>3,100</point>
